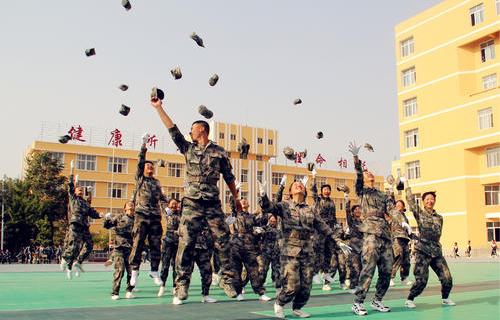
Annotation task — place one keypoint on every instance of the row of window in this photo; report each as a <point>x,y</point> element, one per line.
<point>232,136</point>
<point>119,190</point>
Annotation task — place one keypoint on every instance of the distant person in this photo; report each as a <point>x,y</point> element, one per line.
<point>468,249</point>
<point>455,251</point>
<point>493,249</point>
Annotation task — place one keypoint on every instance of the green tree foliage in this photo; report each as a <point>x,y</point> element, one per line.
<point>101,239</point>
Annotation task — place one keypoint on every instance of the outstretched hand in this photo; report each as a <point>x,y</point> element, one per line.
<point>354,148</point>
<point>156,103</point>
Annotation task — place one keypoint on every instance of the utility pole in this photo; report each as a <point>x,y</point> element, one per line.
<point>3,206</point>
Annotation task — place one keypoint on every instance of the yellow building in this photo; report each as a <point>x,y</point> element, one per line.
<point>109,167</point>
<point>447,61</point>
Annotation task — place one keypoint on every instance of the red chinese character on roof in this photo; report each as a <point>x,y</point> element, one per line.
<point>76,134</point>
<point>299,157</point>
<point>152,141</point>
<point>116,138</point>
<point>320,159</point>
<point>342,163</point>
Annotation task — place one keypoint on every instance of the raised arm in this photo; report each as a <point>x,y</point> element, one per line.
<point>410,200</point>
<point>71,182</point>
<point>348,213</point>
<point>141,162</point>
<point>157,104</point>
<point>314,189</point>
<point>354,149</point>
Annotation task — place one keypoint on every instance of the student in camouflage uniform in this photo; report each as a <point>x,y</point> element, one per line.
<point>87,243</point>
<point>428,250</point>
<point>377,247</point>
<point>147,222</point>
<point>80,210</point>
<point>205,162</point>
<point>244,249</point>
<point>353,215</point>
<point>169,243</point>
<point>123,224</point>
<point>270,253</point>
<point>400,233</point>
<point>300,221</point>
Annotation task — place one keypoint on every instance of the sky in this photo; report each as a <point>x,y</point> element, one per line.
<point>337,56</point>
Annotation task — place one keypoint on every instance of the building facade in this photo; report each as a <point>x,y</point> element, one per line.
<point>106,160</point>
<point>447,62</point>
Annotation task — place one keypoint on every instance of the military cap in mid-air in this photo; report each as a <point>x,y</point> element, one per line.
<point>124,110</point>
<point>213,80</point>
<point>197,39</point>
<point>90,52</point>
<point>157,93</point>
<point>176,73</point>
<point>205,112</point>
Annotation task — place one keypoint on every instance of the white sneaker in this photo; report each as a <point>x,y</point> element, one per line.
<point>133,278</point>
<point>326,287</point>
<point>240,297</point>
<point>406,282</point>
<point>328,277</point>
<point>359,309</point>
<point>130,295</point>
<point>161,292</point>
<point>215,279</point>
<point>156,278</point>
<point>300,314</point>
<point>347,282</point>
<point>176,301</point>
<point>115,297</point>
<point>379,305</point>
<point>410,304</point>
<point>316,279</point>
<point>208,299</point>
<point>243,290</point>
<point>279,312</point>
<point>392,284</point>
<point>343,286</point>
<point>264,298</point>
<point>449,302</point>
<point>78,266</point>
<point>64,265</point>
<point>69,274</point>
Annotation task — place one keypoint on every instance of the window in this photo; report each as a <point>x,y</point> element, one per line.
<point>491,195</point>
<point>497,5</point>
<point>270,142</point>
<point>175,170</point>
<point>411,138</point>
<point>85,184</point>
<point>339,204</point>
<point>244,195</point>
<point>85,162</point>
<point>244,175</point>
<point>417,197</point>
<point>259,140</point>
<point>260,174</point>
<point>298,177</point>
<point>493,230</point>
<point>228,197</point>
<point>276,178</point>
<point>228,154</point>
<point>339,182</point>
<point>487,51</point>
<point>490,81</point>
<point>406,47</point>
<point>119,165</point>
<point>233,136</point>
<point>398,172</point>
<point>174,192</point>
<point>221,135</point>
<point>378,186</point>
<point>243,156</point>
<point>410,107</point>
<point>476,14</point>
<point>408,77</point>
<point>493,157</point>
<point>413,170</point>
<point>320,181</point>
<point>117,190</point>
<point>258,157</point>
<point>58,156</point>
<point>485,118</point>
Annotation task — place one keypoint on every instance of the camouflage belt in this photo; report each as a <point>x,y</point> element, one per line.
<point>206,180</point>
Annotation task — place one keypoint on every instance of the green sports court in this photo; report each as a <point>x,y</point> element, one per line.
<point>41,292</point>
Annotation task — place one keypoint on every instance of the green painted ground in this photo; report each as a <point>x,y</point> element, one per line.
<point>51,296</point>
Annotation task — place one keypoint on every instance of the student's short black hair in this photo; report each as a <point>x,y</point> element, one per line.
<point>429,192</point>
<point>205,125</point>
<point>404,206</point>
<point>326,186</point>
<point>354,207</point>
<point>148,161</point>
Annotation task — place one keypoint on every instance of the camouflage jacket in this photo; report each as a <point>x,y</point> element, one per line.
<point>148,195</point>
<point>397,230</point>
<point>375,205</point>
<point>355,236</point>
<point>204,165</point>
<point>123,225</point>
<point>324,206</point>
<point>430,226</point>
<point>244,234</point>
<point>172,221</point>
<point>299,223</point>
<point>269,241</point>
<point>79,208</point>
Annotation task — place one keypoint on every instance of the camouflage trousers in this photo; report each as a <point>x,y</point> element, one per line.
<point>77,237</point>
<point>338,262</point>
<point>297,274</point>
<point>421,272</point>
<point>196,214</point>
<point>270,258</point>
<point>120,260</point>
<point>322,254</point>
<point>401,257</point>
<point>215,261</point>
<point>202,259</point>
<point>168,253</point>
<point>241,256</point>
<point>354,264</point>
<point>377,252</point>
<point>150,228</point>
